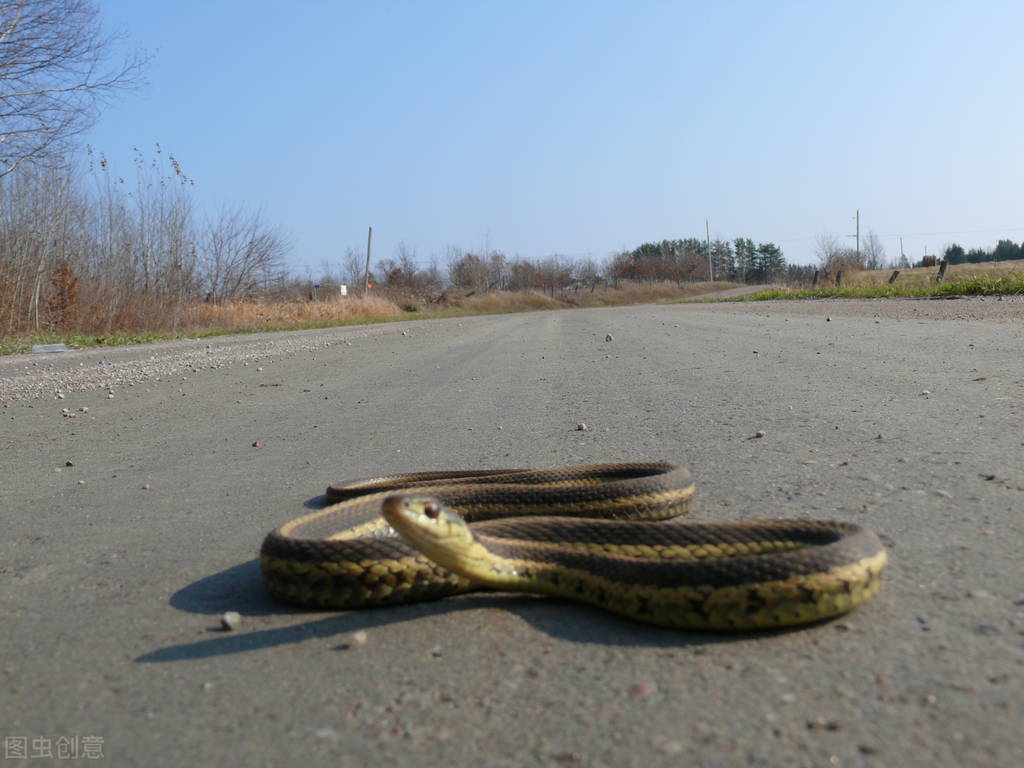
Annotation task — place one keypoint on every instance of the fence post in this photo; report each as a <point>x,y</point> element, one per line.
<point>895,274</point>
<point>839,277</point>
<point>814,280</point>
<point>942,270</point>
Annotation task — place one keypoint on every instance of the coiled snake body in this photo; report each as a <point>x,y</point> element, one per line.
<point>399,538</point>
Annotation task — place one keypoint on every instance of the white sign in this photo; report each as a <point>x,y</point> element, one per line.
<point>344,290</point>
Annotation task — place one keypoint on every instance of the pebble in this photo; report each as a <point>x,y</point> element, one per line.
<point>609,337</point>
<point>230,620</point>
<point>642,689</point>
<point>581,427</point>
<point>357,640</point>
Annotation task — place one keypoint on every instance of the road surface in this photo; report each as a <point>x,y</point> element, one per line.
<point>130,528</point>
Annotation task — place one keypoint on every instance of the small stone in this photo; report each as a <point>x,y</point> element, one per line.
<point>357,640</point>
<point>925,393</point>
<point>230,621</point>
<point>609,337</point>
<point>110,396</point>
<point>672,748</point>
<point>581,427</point>
<point>145,486</point>
<point>84,409</point>
<point>69,463</point>
<point>208,686</point>
<point>828,319</point>
<point>259,368</point>
<point>257,444</point>
<point>81,482</point>
<point>760,433</point>
<point>642,689</point>
<point>436,651</point>
<point>60,395</point>
<point>327,734</point>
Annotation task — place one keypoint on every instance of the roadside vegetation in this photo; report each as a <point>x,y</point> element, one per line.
<point>250,316</point>
<point>965,279</point>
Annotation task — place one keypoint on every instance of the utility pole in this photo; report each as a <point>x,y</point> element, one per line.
<point>707,240</point>
<point>366,281</point>
<point>857,234</point>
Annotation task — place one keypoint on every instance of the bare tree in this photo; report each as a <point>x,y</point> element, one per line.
<point>237,249</point>
<point>353,268</point>
<point>826,248</point>
<point>54,76</point>
<point>872,251</point>
<point>832,255</point>
<point>468,271</point>
<point>587,272</point>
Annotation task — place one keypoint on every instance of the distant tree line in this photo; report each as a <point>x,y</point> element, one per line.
<point>1005,250</point>
<point>687,260</point>
<point>678,261</point>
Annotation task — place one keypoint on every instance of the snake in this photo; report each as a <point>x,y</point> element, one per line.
<point>601,534</point>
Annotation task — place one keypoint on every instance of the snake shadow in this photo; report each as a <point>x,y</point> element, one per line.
<point>240,588</point>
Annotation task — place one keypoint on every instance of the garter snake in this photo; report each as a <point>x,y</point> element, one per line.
<point>399,538</point>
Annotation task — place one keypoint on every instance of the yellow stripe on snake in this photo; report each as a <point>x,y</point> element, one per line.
<point>594,533</point>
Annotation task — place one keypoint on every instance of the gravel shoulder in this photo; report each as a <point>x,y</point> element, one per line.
<point>133,526</point>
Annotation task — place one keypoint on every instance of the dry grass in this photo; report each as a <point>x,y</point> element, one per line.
<point>926,275</point>
<point>640,293</point>
<point>495,302</point>
<point>250,315</point>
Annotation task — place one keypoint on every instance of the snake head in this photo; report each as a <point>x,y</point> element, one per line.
<point>429,526</point>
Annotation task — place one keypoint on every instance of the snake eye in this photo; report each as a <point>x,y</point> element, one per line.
<point>431,510</point>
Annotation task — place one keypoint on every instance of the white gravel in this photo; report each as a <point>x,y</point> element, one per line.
<point>53,376</point>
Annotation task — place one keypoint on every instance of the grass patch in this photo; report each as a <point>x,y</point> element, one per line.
<point>982,284</point>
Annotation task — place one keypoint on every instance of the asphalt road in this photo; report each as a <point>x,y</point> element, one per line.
<point>114,571</point>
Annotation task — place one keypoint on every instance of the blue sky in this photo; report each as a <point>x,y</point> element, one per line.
<point>558,127</point>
